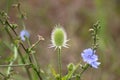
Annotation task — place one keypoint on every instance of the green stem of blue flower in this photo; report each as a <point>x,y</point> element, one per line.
<point>33,53</point>
<point>28,72</point>
<point>84,68</point>
<point>71,75</point>
<point>96,27</point>
<point>33,59</point>
<point>19,52</point>
<point>28,41</point>
<point>59,63</point>
<point>23,61</point>
<point>94,46</point>
<point>6,23</point>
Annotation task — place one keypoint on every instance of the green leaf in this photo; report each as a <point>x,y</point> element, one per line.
<point>53,72</point>
<point>71,70</point>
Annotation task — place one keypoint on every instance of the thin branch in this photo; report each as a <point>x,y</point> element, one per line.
<point>15,65</point>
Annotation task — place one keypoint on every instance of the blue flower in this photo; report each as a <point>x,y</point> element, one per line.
<point>90,57</point>
<point>24,34</point>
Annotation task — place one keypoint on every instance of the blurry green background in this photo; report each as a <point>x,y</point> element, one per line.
<point>76,16</point>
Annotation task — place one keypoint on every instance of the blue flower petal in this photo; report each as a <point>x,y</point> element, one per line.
<point>95,64</point>
<point>23,34</point>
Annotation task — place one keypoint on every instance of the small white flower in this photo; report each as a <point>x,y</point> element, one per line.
<point>59,37</point>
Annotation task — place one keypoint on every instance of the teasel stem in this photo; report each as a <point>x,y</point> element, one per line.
<point>59,63</point>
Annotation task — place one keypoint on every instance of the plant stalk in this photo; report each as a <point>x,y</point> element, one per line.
<point>60,63</point>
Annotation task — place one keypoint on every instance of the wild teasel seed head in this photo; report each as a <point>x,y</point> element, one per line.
<point>59,37</point>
